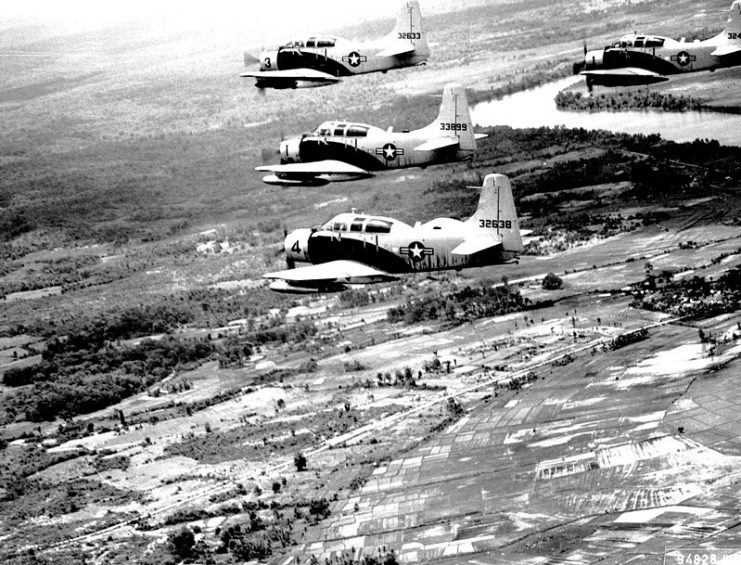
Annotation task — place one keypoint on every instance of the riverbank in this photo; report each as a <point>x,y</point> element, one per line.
<point>704,91</point>
<point>537,107</point>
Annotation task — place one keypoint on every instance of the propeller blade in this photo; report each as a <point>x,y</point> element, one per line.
<point>268,154</point>
<point>585,48</point>
<point>250,59</point>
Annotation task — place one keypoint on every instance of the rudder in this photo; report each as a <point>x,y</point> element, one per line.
<point>733,25</point>
<point>497,211</point>
<point>409,28</point>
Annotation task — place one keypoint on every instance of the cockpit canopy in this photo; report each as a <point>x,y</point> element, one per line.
<point>328,129</point>
<point>311,43</point>
<point>640,41</point>
<point>349,222</point>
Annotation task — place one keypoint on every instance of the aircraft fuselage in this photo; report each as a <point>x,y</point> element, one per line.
<point>403,249</point>
<point>377,151</point>
<point>684,58</point>
<point>659,55</point>
<point>344,58</point>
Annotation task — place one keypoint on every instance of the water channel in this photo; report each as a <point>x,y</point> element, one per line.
<point>537,107</point>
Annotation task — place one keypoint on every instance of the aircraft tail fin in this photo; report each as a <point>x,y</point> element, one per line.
<point>733,25</point>
<point>454,118</point>
<point>496,213</point>
<point>409,36</point>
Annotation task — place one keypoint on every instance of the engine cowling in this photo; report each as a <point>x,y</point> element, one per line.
<point>269,60</point>
<point>290,151</point>
<point>296,245</point>
<point>594,59</point>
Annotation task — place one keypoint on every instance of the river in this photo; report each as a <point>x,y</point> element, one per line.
<point>537,107</point>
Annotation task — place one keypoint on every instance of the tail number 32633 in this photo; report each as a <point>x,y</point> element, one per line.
<point>502,224</point>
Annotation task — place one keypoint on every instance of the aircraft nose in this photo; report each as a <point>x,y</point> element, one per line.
<point>297,246</point>
<point>290,151</point>
<point>268,60</point>
<point>594,58</point>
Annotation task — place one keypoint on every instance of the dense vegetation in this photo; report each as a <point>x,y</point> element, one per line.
<point>86,365</point>
<point>655,168</point>
<point>75,379</point>
<point>693,297</point>
<point>471,303</point>
<point>631,100</point>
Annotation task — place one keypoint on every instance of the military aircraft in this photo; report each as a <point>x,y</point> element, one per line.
<point>645,59</point>
<point>320,60</point>
<point>354,248</point>
<point>341,150</point>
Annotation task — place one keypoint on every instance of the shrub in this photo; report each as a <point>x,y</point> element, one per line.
<point>552,282</point>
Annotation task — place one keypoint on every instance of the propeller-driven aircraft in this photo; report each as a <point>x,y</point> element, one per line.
<point>341,150</point>
<point>320,60</point>
<point>355,248</point>
<point>646,59</point>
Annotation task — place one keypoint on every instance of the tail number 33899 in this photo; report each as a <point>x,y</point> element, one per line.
<point>502,224</point>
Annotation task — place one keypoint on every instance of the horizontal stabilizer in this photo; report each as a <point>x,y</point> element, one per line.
<point>725,50</point>
<point>477,245</point>
<point>438,143</point>
<point>334,272</point>
<point>480,135</point>
<point>397,50</point>
<point>326,167</point>
<point>292,74</point>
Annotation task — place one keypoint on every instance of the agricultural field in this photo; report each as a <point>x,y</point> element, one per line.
<point>159,404</point>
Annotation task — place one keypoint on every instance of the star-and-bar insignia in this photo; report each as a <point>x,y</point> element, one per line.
<point>416,251</point>
<point>389,151</point>
<point>683,58</point>
<point>354,59</point>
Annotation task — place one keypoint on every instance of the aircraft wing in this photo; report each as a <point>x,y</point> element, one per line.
<point>311,75</point>
<point>477,244</point>
<point>725,50</point>
<point>316,172</point>
<point>328,166</point>
<point>329,275</point>
<point>438,143</point>
<point>628,74</point>
<point>396,51</point>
